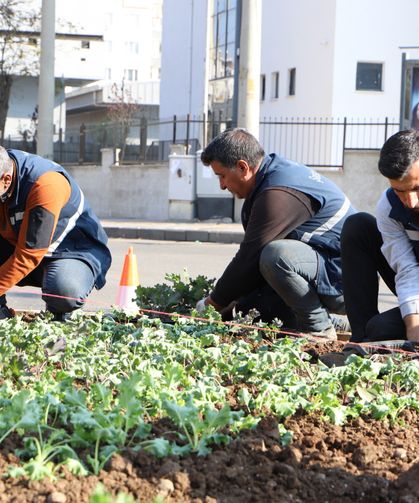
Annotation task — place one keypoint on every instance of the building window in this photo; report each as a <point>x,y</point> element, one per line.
<point>275,85</point>
<point>223,43</point>
<point>130,74</point>
<point>262,87</point>
<point>85,44</point>
<point>369,76</point>
<point>291,84</point>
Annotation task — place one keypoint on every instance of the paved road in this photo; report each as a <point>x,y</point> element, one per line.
<point>155,259</point>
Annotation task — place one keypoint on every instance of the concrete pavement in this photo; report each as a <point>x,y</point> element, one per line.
<point>209,231</point>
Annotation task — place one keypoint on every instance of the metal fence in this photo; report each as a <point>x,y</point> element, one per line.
<point>321,142</point>
<point>316,142</point>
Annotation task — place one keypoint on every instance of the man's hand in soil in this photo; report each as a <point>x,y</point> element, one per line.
<point>207,301</point>
<point>412,327</point>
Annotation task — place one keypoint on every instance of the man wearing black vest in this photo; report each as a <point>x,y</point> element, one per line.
<point>288,265</point>
<point>49,236</point>
<point>388,245</point>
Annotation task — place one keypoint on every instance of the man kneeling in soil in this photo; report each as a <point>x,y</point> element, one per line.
<point>288,265</point>
<point>49,236</point>
<point>388,245</point>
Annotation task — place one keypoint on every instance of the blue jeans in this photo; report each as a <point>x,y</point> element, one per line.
<point>69,278</point>
<point>290,268</point>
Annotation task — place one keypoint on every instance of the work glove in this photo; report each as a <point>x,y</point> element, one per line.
<point>201,306</point>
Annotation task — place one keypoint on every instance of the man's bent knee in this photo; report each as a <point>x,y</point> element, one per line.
<point>64,296</point>
<point>357,225</point>
<point>275,254</point>
<point>61,305</point>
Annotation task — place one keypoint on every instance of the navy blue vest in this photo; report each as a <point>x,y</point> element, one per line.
<point>407,217</point>
<point>78,233</point>
<point>322,231</point>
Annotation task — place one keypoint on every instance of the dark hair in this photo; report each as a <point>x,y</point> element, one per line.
<point>233,145</point>
<point>398,154</point>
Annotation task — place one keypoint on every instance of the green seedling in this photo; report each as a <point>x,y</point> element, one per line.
<point>201,428</point>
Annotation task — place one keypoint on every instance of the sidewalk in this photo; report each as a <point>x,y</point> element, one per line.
<point>212,231</point>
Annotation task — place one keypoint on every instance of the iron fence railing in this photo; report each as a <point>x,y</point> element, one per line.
<point>316,142</point>
<point>321,142</point>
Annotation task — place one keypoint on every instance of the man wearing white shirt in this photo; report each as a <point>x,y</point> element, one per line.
<point>387,245</point>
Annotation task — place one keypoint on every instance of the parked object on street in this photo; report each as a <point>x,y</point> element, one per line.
<point>129,282</point>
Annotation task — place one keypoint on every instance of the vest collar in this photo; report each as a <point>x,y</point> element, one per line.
<point>260,174</point>
<point>13,193</point>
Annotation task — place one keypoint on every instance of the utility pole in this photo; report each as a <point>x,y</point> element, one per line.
<point>248,87</point>
<point>249,66</point>
<point>46,90</point>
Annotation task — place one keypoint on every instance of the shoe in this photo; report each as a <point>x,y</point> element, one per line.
<point>411,346</point>
<point>60,317</point>
<point>328,334</point>
<point>338,358</point>
<point>6,313</point>
<point>341,323</point>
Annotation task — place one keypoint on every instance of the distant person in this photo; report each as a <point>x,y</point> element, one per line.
<point>49,236</point>
<point>388,245</point>
<point>288,265</point>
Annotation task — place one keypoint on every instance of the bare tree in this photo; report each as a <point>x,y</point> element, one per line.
<point>121,110</point>
<point>19,52</point>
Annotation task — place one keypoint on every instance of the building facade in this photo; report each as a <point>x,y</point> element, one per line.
<point>128,52</point>
<point>329,58</point>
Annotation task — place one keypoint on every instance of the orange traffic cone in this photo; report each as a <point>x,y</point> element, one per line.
<point>129,282</point>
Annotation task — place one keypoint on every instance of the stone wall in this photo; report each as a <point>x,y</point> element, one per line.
<point>127,191</point>
<point>360,179</point>
<point>142,191</point>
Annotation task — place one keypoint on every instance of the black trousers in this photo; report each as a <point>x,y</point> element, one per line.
<point>362,264</point>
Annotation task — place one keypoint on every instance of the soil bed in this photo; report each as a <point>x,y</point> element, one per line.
<point>363,461</point>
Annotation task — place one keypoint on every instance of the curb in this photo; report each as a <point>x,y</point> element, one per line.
<point>201,235</point>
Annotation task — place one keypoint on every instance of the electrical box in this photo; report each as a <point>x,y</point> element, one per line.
<point>182,187</point>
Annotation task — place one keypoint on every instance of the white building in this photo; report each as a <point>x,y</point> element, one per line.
<point>323,58</point>
<point>130,50</point>
<point>346,55</point>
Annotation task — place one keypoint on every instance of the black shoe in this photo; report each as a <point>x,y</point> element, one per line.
<point>61,317</point>
<point>6,313</point>
<point>411,346</point>
<point>338,358</point>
